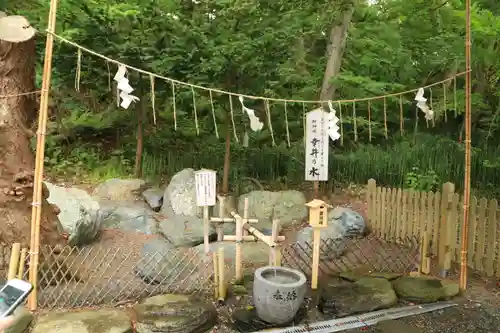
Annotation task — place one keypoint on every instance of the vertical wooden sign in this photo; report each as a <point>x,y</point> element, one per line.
<point>205,183</point>
<point>317,143</point>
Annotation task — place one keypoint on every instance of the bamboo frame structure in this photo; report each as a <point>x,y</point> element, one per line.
<point>245,232</point>
<point>468,105</point>
<point>36,212</point>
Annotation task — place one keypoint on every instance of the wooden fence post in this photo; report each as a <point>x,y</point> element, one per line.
<point>370,199</point>
<point>446,227</point>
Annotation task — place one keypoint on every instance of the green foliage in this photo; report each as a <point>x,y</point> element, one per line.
<point>277,49</point>
<point>418,181</point>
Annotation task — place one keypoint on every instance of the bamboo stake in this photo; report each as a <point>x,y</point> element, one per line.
<point>465,227</point>
<point>22,261</point>
<point>275,251</point>
<point>216,275</point>
<point>245,216</point>
<point>315,263</point>
<point>14,261</point>
<point>222,282</point>
<point>36,211</point>
<point>237,259</point>
<point>425,262</point>
<point>206,229</point>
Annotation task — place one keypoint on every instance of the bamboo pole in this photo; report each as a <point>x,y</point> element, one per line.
<point>465,227</point>
<point>219,227</point>
<point>237,259</point>
<point>245,216</point>
<point>229,220</point>
<point>249,238</point>
<point>22,260</point>
<point>315,263</point>
<point>36,211</point>
<point>275,251</point>
<point>206,229</point>
<point>216,275</point>
<point>14,261</point>
<point>222,280</point>
<point>425,262</point>
<point>255,232</point>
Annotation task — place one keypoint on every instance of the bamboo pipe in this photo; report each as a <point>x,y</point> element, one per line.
<point>249,238</point>
<point>36,212</point>
<point>255,232</point>
<point>229,220</point>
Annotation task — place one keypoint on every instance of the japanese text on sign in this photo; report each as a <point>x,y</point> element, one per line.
<point>317,142</point>
<point>205,181</point>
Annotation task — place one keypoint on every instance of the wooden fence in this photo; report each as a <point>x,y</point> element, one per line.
<point>396,213</point>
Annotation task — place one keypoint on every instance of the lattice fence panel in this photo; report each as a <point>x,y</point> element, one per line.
<point>90,276</point>
<point>357,254</point>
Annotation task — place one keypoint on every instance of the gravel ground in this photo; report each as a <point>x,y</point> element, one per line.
<point>466,318</point>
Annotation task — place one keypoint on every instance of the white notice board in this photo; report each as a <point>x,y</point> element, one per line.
<point>317,141</point>
<point>206,184</point>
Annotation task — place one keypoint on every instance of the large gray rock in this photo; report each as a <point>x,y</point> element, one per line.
<point>80,216</point>
<point>84,321</point>
<point>333,242</point>
<point>185,231</point>
<point>287,206</point>
<point>154,198</point>
<point>183,223</point>
<point>348,221</point>
<point>171,313</point>
<point>180,195</point>
<point>365,295</point>
<point>129,216</point>
<point>173,268</point>
<point>342,222</point>
<point>119,189</point>
<point>425,289</point>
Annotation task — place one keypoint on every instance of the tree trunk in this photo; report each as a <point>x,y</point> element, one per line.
<point>335,51</point>
<point>227,158</point>
<point>17,113</point>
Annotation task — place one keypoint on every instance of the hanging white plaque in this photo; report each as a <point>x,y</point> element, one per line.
<point>317,140</point>
<point>205,181</point>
